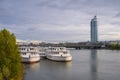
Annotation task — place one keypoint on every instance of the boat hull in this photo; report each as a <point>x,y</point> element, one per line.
<point>30,60</point>
<point>60,58</point>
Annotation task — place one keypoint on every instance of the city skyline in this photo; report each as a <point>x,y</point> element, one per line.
<point>60,20</point>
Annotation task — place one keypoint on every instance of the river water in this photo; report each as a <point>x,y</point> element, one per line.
<point>86,65</point>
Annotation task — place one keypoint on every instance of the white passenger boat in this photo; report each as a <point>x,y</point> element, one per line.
<point>29,54</point>
<point>58,54</point>
<point>42,51</point>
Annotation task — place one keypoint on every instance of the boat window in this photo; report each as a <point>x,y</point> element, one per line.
<point>31,48</point>
<point>64,52</point>
<point>56,52</point>
<point>22,48</point>
<point>24,53</point>
<point>32,53</point>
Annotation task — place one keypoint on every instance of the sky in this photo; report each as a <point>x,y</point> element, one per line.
<point>60,20</point>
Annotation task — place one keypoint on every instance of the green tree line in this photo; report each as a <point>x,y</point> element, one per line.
<point>10,60</point>
<point>114,46</point>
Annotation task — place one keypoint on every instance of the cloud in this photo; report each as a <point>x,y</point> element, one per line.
<point>60,20</point>
<point>117,15</point>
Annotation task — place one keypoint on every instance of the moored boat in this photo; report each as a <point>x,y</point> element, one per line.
<point>58,54</point>
<point>42,51</point>
<point>29,54</point>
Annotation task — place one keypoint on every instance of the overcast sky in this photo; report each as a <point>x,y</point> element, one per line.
<point>60,20</point>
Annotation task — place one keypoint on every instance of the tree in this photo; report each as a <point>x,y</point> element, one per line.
<point>10,60</point>
<point>0,76</point>
<point>112,46</point>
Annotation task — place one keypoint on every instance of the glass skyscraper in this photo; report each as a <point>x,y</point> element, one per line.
<point>94,30</point>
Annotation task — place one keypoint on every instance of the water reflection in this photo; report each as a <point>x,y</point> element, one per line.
<point>51,65</point>
<point>33,66</point>
<point>69,64</point>
<point>94,65</point>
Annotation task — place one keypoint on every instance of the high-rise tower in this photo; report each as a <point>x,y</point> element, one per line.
<point>94,30</point>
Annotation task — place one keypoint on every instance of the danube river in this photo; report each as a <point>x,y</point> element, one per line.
<point>86,65</point>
